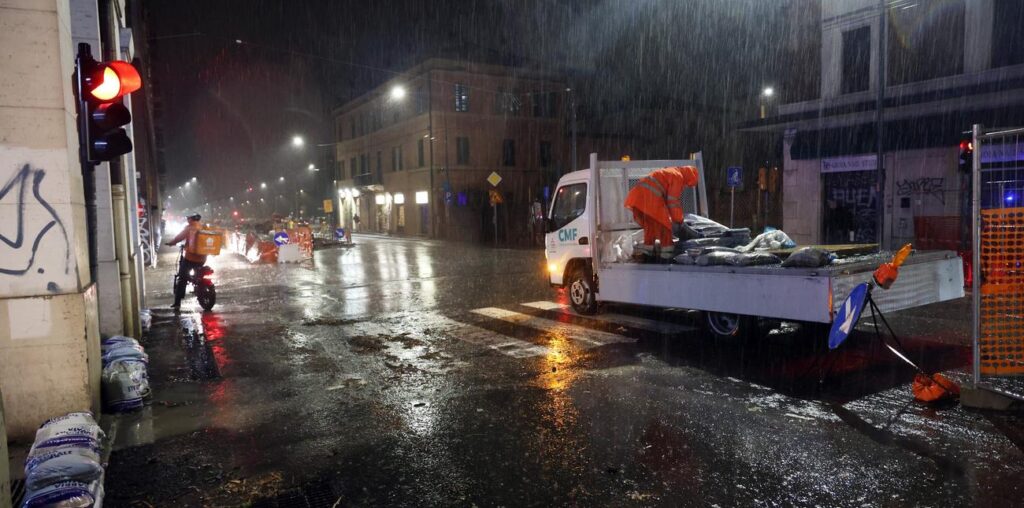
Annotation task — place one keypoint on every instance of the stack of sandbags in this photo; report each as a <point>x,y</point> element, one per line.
<point>125,374</point>
<point>63,466</point>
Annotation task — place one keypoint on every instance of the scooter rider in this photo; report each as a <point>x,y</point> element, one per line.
<point>190,261</point>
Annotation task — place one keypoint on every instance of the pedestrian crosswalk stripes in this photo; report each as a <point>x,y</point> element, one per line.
<point>516,348</point>
<point>575,333</point>
<point>615,319</point>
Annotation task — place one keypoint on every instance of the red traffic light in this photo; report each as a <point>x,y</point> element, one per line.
<point>111,80</point>
<point>235,213</point>
<point>966,146</point>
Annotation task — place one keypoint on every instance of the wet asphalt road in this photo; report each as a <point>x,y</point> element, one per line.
<point>419,373</point>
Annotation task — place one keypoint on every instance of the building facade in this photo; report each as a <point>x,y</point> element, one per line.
<point>415,153</point>
<point>945,65</point>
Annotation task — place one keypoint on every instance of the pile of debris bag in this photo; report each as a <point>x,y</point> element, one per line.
<point>704,242</point>
<point>125,374</point>
<point>63,467</point>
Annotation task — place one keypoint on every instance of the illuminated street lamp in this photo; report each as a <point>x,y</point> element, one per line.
<point>397,92</point>
<point>298,142</point>
<point>281,179</point>
<point>263,185</point>
<point>766,96</point>
<point>193,178</point>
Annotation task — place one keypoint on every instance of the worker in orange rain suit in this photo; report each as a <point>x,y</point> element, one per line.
<point>656,202</point>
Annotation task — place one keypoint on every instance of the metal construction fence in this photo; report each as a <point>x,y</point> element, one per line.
<point>997,187</point>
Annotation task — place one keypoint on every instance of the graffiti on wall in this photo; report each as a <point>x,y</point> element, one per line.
<point>854,193</point>
<point>22,249</point>
<point>924,186</point>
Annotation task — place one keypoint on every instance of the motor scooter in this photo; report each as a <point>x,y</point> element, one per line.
<point>201,280</point>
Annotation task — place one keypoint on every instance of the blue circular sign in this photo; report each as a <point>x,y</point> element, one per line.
<point>339,233</point>
<point>281,238</point>
<point>847,315</point>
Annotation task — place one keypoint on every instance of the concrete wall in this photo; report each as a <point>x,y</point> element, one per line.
<point>49,340</point>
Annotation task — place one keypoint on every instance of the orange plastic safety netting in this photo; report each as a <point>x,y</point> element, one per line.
<point>1001,341</point>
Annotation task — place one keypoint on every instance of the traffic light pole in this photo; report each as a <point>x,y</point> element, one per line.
<point>88,168</point>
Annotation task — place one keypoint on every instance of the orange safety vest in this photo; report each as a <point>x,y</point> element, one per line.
<point>659,194</point>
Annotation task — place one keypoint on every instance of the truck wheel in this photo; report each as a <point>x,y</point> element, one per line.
<point>581,292</point>
<point>730,326</point>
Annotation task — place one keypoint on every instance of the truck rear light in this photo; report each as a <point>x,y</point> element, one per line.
<point>552,267</point>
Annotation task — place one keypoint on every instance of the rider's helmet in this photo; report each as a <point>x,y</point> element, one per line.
<point>195,217</point>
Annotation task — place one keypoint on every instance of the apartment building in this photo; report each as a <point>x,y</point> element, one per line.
<point>415,153</point>
<point>947,64</point>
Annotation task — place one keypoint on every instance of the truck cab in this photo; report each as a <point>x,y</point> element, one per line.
<point>568,242</point>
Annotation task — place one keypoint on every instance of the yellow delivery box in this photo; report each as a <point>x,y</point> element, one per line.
<point>209,242</point>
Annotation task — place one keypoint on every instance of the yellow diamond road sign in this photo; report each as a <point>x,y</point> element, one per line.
<point>494,179</point>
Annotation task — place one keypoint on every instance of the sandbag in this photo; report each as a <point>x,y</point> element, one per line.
<point>808,257</point>
<point>755,259</point>
<point>125,385</point>
<point>90,451</point>
<point>684,259</point>
<point>771,239</point>
<point>717,258</point>
<point>62,467</point>
<point>70,494</point>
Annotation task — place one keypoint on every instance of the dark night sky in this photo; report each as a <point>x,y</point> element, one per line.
<point>231,108</point>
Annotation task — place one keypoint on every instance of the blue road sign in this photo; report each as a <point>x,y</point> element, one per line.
<point>339,234</point>
<point>281,238</point>
<point>735,176</point>
<point>847,316</point>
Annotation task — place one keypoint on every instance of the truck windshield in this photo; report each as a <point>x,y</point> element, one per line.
<point>570,202</point>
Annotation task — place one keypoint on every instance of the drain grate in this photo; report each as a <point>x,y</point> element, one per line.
<point>17,492</point>
<point>317,495</point>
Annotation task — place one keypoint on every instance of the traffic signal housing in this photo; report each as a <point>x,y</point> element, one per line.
<point>966,156</point>
<point>100,88</point>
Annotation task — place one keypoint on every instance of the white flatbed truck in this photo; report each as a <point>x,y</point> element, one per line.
<point>587,214</point>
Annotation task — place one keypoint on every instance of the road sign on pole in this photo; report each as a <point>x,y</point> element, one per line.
<point>735,179</point>
<point>494,179</point>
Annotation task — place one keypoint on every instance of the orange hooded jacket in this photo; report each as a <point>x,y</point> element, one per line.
<point>659,194</point>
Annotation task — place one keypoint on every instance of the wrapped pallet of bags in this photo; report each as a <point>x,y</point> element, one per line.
<point>63,466</point>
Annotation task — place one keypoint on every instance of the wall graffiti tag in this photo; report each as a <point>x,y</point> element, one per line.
<point>854,192</point>
<point>28,237</point>
<point>925,186</point>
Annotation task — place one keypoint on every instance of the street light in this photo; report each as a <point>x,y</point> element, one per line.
<point>766,96</point>
<point>397,92</point>
<point>281,179</point>
<point>263,185</point>
<point>297,141</point>
<point>193,178</point>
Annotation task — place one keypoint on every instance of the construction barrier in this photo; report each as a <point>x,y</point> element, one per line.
<point>998,261</point>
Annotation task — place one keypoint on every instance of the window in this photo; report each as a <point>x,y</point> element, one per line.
<point>507,103</point>
<point>340,175</point>
<point>856,60</point>
<point>352,167</point>
<point>570,203</point>
<point>394,158</point>
<point>401,165</point>
<point>1007,36</point>
<point>419,153</point>
<point>421,101</point>
<point>545,154</point>
<point>461,98</point>
<point>364,164</point>
<point>352,127</point>
<point>339,130</point>
<point>544,105</point>
<point>925,43</point>
<point>362,124</point>
<point>508,152</point>
<point>462,150</point>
